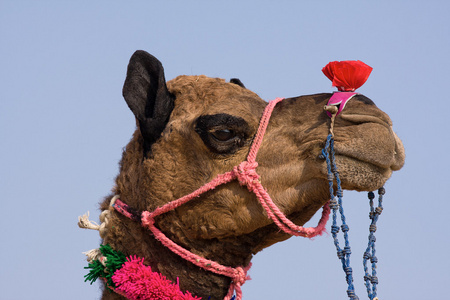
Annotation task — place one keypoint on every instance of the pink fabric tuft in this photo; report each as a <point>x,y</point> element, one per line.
<point>340,99</point>
<point>137,281</point>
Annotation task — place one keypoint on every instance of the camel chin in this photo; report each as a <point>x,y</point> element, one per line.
<point>360,175</point>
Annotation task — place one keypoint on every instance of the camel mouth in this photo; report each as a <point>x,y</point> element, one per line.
<point>392,159</point>
<point>360,175</point>
<point>382,163</point>
<point>366,166</point>
<point>375,142</point>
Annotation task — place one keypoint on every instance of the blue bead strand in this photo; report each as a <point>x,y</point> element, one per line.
<point>371,280</point>
<point>336,206</point>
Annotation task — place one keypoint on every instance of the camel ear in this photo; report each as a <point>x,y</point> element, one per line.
<point>237,81</point>
<point>146,94</point>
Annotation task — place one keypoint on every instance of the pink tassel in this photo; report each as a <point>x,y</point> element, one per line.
<point>137,281</point>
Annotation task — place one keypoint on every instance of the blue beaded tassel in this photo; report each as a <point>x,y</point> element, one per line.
<point>336,205</point>
<point>371,281</point>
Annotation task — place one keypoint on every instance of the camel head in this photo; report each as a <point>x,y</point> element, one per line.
<point>193,128</point>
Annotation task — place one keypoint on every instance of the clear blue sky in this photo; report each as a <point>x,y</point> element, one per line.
<point>63,124</point>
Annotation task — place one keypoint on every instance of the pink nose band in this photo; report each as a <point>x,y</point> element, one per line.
<point>340,99</point>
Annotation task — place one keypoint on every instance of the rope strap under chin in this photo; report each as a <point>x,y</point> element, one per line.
<point>245,173</point>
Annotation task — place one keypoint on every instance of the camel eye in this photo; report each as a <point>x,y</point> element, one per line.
<point>223,135</point>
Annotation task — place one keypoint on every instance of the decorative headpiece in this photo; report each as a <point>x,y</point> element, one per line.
<point>347,76</point>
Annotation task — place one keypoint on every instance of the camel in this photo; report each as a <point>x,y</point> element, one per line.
<point>193,128</point>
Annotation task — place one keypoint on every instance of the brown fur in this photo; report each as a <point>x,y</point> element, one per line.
<point>228,225</point>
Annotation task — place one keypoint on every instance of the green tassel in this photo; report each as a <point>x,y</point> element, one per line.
<point>97,270</point>
<point>114,261</point>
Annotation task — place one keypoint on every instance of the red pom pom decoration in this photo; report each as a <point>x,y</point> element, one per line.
<point>347,75</point>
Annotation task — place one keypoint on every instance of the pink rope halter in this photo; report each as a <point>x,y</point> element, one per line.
<point>246,174</point>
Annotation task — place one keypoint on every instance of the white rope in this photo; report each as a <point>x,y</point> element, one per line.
<point>113,200</point>
<point>93,254</point>
<point>84,222</point>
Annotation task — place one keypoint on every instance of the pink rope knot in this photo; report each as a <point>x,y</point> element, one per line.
<point>147,219</point>
<point>241,276</point>
<point>246,174</point>
<point>238,279</point>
